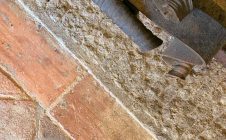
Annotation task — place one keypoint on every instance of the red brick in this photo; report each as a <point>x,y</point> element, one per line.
<point>32,56</point>
<point>17,120</point>
<point>88,112</point>
<point>49,131</point>
<point>9,89</point>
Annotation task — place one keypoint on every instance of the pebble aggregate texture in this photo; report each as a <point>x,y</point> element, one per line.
<point>171,108</point>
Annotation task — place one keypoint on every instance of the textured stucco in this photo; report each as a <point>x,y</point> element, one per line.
<point>171,108</point>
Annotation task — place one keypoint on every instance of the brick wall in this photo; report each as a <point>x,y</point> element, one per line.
<point>45,93</point>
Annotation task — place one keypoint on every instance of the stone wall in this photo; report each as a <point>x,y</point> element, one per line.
<point>171,108</point>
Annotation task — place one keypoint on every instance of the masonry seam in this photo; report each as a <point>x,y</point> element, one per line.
<point>21,85</point>
<point>63,46</point>
<point>55,121</point>
<point>5,73</point>
<point>67,91</point>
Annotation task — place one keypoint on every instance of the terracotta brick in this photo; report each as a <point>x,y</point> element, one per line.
<point>32,57</point>
<point>88,112</point>
<point>9,89</point>
<point>49,131</point>
<point>17,120</point>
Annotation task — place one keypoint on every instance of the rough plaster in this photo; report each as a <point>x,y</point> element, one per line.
<point>171,108</point>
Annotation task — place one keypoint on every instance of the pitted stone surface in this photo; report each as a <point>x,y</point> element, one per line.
<point>169,107</point>
<point>17,120</point>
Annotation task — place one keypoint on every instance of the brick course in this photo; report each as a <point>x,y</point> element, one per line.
<point>46,94</point>
<point>88,112</point>
<point>32,57</point>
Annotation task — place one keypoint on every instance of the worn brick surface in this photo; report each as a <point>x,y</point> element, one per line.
<point>167,106</point>
<point>9,89</point>
<point>35,64</point>
<point>32,56</point>
<point>17,120</point>
<point>49,131</point>
<point>89,113</point>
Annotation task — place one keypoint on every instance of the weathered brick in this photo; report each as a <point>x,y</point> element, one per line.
<point>88,112</point>
<point>17,120</point>
<point>32,56</point>
<point>49,131</point>
<point>8,89</point>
